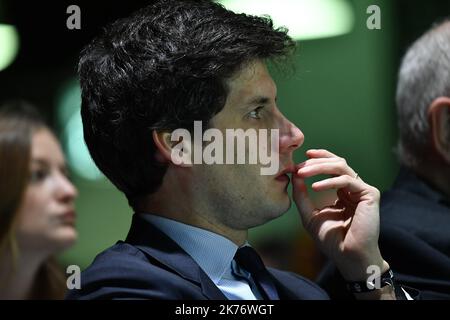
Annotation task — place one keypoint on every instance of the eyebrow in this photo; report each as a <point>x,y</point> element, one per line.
<point>40,161</point>
<point>259,100</point>
<point>43,162</point>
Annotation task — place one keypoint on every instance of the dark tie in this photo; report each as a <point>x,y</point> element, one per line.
<point>247,258</point>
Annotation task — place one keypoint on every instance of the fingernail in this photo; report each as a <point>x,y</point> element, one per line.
<point>301,170</point>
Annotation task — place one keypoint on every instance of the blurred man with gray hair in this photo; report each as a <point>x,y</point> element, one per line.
<point>415,212</point>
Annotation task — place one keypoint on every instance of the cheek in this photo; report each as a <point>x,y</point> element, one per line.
<point>246,178</point>
<point>34,213</point>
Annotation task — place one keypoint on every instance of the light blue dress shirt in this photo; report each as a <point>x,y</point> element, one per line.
<point>214,254</point>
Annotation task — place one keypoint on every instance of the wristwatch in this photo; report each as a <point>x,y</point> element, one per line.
<point>386,279</point>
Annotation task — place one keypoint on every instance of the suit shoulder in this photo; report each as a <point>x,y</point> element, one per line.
<point>124,272</point>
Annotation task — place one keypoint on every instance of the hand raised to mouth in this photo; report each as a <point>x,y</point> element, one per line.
<point>347,230</point>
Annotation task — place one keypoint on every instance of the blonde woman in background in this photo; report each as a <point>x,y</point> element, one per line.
<point>37,216</point>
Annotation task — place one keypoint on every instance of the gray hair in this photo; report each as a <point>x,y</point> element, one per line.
<point>424,76</point>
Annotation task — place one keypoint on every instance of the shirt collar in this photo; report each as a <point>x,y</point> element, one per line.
<point>211,251</point>
<point>408,180</point>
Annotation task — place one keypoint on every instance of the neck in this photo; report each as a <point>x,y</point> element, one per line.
<point>188,209</point>
<point>17,279</point>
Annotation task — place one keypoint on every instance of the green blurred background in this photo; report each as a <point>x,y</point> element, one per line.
<point>341,96</point>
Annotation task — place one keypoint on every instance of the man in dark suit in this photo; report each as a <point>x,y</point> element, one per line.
<point>147,82</point>
<point>149,265</point>
<point>415,212</point>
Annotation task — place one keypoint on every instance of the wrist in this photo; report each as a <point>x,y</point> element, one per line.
<point>375,287</point>
<point>359,269</point>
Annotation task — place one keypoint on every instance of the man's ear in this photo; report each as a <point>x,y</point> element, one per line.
<point>177,151</point>
<point>439,117</point>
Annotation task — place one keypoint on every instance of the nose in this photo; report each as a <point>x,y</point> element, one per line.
<point>67,192</point>
<point>291,137</point>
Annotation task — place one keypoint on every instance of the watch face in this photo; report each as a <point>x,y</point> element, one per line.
<point>388,280</point>
<point>385,280</point>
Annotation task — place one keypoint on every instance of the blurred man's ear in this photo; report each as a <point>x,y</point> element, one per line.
<point>439,116</point>
<point>167,150</point>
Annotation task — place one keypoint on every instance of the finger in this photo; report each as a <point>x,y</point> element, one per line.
<point>302,200</point>
<point>332,168</point>
<point>316,161</point>
<point>317,154</point>
<point>320,153</point>
<point>344,181</point>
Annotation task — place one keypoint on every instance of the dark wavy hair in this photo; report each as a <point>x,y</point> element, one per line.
<point>160,69</point>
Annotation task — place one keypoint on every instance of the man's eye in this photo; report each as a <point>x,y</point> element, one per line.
<point>38,175</point>
<point>255,114</point>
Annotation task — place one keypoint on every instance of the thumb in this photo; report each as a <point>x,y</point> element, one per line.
<point>301,199</point>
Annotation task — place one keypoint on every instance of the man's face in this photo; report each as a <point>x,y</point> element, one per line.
<point>238,195</point>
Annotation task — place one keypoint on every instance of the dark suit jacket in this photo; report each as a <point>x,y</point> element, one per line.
<point>149,265</point>
<point>414,239</point>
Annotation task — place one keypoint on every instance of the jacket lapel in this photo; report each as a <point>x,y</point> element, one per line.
<point>160,247</point>
<point>283,292</point>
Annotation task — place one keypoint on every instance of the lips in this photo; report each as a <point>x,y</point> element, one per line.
<point>69,217</point>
